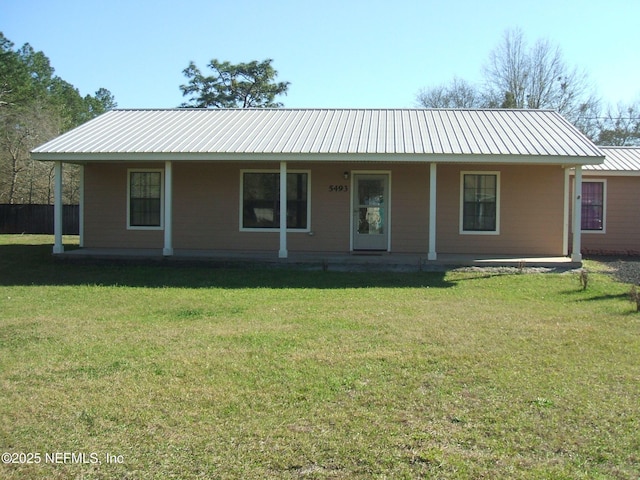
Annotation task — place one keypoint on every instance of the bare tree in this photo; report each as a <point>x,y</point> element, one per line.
<point>14,143</point>
<point>459,94</point>
<point>23,180</point>
<point>621,125</point>
<point>507,69</point>
<point>518,76</point>
<point>537,77</point>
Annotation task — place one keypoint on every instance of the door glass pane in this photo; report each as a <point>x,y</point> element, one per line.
<point>371,192</point>
<point>371,221</point>
<point>371,207</point>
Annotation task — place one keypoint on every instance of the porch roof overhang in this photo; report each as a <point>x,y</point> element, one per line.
<point>326,135</point>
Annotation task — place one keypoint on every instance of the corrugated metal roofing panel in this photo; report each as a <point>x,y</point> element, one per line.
<point>618,159</point>
<point>326,131</point>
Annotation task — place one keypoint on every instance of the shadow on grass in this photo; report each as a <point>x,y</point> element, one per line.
<point>589,295</point>
<point>34,265</point>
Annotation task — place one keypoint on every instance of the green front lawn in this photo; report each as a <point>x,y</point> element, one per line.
<point>158,372</point>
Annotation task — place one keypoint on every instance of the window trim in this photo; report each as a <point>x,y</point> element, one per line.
<point>145,170</point>
<point>276,171</point>
<point>603,181</point>
<point>462,231</point>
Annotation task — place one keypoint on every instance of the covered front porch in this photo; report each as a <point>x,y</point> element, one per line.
<point>314,261</point>
<point>430,257</point>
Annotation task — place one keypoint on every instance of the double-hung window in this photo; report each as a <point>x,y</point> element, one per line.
<point>593,206</point>
<point>260,209</point>
<point>480,202</point>
<point>144,199</point>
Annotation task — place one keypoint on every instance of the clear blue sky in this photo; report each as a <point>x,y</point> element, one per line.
<point>335,53</point>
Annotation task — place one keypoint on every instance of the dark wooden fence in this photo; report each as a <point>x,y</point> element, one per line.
<point>37,219</point>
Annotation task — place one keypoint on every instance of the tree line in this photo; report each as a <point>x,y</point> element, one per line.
<point>36,105</point>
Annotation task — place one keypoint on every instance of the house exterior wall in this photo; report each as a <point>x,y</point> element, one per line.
<point>622,218</point>
<point>531,211</point>
<point>410,209</point>
<point>206,209</point>
<point>105,209</point>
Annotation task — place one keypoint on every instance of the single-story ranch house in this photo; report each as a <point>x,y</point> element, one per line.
<point>343,181</point>
<point>611,203</point>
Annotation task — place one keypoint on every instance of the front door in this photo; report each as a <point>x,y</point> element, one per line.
<point>370,212</point>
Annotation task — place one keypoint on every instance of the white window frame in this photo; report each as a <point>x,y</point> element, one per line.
<point>586,179</point>
<point>461,214</point>
<point>276,171</point>
<point>145,170</point>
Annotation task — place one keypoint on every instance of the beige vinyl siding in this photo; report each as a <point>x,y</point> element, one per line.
<point>531,212</point>
<point>329,210</point>
<point>105,209</point>
<point>410,208</point>
<point>622,235</point>
<point>206,209</point>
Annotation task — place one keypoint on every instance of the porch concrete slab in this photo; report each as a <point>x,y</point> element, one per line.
<point>316,260</point>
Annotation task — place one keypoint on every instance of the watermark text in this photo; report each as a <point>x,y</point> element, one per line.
<point>60,458</point>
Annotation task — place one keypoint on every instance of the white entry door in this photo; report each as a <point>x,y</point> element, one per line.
<point>371,212</point>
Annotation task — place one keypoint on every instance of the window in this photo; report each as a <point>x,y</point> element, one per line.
<point>261,200</point>
<point>593,199</point>
<point>480,205</point>
<point>145,199</point>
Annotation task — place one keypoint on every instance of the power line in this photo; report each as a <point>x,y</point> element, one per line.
<point>610,118</point>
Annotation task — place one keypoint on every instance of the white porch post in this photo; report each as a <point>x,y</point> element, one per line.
<point>576,255</point>
<point>432,255</point>
<point>566,221</point>
<point>58,247</point>
<point>168,209</point>
<point>81,208</point>
<point>283,253</point>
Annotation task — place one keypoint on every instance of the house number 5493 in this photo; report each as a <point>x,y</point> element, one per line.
<point>338,188</point>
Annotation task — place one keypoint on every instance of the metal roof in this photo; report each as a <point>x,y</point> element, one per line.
<point>398,134</point>
<point>625,160</point>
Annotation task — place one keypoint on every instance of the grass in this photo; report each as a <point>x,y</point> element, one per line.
<point>258,373</point>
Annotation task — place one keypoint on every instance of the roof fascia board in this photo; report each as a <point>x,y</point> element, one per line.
<point>610,173</point>
<point>318,157</point>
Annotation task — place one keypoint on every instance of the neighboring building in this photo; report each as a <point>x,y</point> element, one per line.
<point>472,182</point>
<point>611,203</point>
